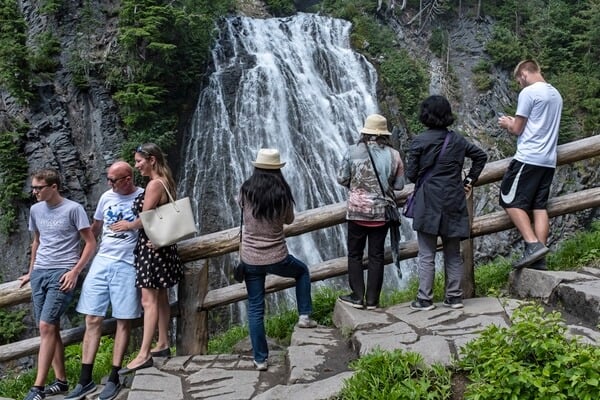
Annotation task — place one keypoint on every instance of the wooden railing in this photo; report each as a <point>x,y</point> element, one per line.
<point>195,298</point>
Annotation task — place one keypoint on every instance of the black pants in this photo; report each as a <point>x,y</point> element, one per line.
<point>357,239</point>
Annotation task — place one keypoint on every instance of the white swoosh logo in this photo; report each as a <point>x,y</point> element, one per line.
<point>508,198</point>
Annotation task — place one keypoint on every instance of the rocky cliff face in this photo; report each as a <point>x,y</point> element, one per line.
<point>74,130</point>
<point>78,131</point>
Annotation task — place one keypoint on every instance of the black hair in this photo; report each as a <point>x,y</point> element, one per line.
<point>268,194</point>
<point>380,139</point>
<point>436,112</point>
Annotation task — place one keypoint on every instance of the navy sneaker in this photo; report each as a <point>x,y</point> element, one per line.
<point>110,391</point>
<point>81,391</point>
<point>423,305</point>
<point>540,265</point>
<point>352,301</point>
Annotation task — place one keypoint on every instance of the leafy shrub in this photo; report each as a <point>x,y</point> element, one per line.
<point>396,374</point>
<point>11,325</point>
<point>581,250</point>
<point>280,8</point>
<point>531,359</point>
<point>492,277</point>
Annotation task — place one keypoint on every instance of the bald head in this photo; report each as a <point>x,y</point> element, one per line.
<point>120,178</point>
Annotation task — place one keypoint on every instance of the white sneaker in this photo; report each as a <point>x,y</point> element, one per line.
<point>261,366</point>
<point>305,322</point>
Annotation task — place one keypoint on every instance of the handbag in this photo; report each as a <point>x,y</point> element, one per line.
<point>392,215</point>
<point>239,270</point>
<point>169,223</point>
<point>409,206</point>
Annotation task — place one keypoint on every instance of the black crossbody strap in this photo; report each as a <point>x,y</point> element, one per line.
<point>375,170</point>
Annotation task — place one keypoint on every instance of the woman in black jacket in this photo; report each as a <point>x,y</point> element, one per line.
<point>436,158</point>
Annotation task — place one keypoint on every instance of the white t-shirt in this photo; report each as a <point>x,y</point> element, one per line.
<point>58,227</point>
<point>113,207</point>
<point>541,104</point>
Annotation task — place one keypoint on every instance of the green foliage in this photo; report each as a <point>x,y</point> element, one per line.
<point>16,386</point>
<point>323,302</point>
<point>46,52</point>
<point>280,8</point>
<point>281,325</point>
<point>13,175</point>
<point>492,277</point>
<point>224,342</point>
<point>50,6</point>
<point>15,75</point>
<point>581,250</point>
<point>163,49</point>
<point>384,375</point>
<point>532,359</point>
<point>563,36</point>
<point>438,42</point>
<point>11,325</point>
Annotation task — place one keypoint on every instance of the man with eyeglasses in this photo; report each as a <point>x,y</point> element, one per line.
<point>111,279</point>
<point>58,226</point>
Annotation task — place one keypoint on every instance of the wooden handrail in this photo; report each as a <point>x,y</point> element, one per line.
<point>223,242</point>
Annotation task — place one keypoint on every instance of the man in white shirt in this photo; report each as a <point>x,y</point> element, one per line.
<point>111,280</point>
<point>526,183</point>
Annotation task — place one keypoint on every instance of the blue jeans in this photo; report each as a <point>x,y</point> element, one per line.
<point>289,267</point>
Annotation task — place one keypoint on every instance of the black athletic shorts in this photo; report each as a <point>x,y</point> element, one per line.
<point>526,186</point>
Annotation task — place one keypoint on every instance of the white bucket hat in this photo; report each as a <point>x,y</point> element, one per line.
<point>375,124</point>
<point>268,159</point>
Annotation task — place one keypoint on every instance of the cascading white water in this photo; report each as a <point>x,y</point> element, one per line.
<point>289,83</point>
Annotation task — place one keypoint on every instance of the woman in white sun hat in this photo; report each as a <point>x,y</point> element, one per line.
<point>366,207</point>
<point>267,204</point>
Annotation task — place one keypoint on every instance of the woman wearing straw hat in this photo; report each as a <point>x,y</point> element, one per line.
<point>366,206</point>
<point>267,204</point>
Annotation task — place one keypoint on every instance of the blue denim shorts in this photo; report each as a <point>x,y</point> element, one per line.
<point>110,281</point>
<point>49,302</point>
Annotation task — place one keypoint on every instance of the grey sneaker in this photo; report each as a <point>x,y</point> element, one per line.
<point>81,391</point>
<point>306,322</point>
<point>261,366</point>
<point>110,391</point>
<point>533,252</point>
<point>423,305</point>
<point>56,387</point>
<point>453,302</point>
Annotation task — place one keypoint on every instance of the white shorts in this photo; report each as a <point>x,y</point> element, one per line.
<point>111,282</point>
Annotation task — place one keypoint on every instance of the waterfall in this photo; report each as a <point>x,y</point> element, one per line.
<point>289,83</point>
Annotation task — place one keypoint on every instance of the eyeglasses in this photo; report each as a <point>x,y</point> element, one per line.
<point>115,180</point>
<point>38,188</point>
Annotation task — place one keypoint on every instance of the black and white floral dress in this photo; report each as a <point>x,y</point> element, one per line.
<point>155,268</point>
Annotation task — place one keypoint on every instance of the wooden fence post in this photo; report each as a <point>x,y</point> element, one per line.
<point>468,281</point>
<point>192,325</point>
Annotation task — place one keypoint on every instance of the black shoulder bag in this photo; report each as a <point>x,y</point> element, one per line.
<point>239,270</point>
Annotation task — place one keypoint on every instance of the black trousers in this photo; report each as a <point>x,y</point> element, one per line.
<point>357,239</point>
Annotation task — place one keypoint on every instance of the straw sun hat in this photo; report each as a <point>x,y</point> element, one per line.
<point>268,159</point>
<point>375,124</point>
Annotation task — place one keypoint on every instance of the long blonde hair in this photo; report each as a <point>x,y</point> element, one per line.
<point>148,150</point>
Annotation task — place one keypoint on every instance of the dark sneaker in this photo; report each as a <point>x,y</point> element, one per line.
<point>540,265</point>
<point>56,387</point>
<point>424,305</point>
<point>453,302</point>
<point>532,253</point>
<point>110,391</point>
<point>35,394</point>
<point>351,301</point>
<point>81,391</point>
<point>371,307</point>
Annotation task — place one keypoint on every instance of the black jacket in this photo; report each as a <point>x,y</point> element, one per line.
<point>440,205</point>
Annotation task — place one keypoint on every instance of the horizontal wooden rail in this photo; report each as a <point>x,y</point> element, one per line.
<point>483,225</point>
<point>227,241</point>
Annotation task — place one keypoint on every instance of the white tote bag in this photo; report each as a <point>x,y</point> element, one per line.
<point>169,223</point>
